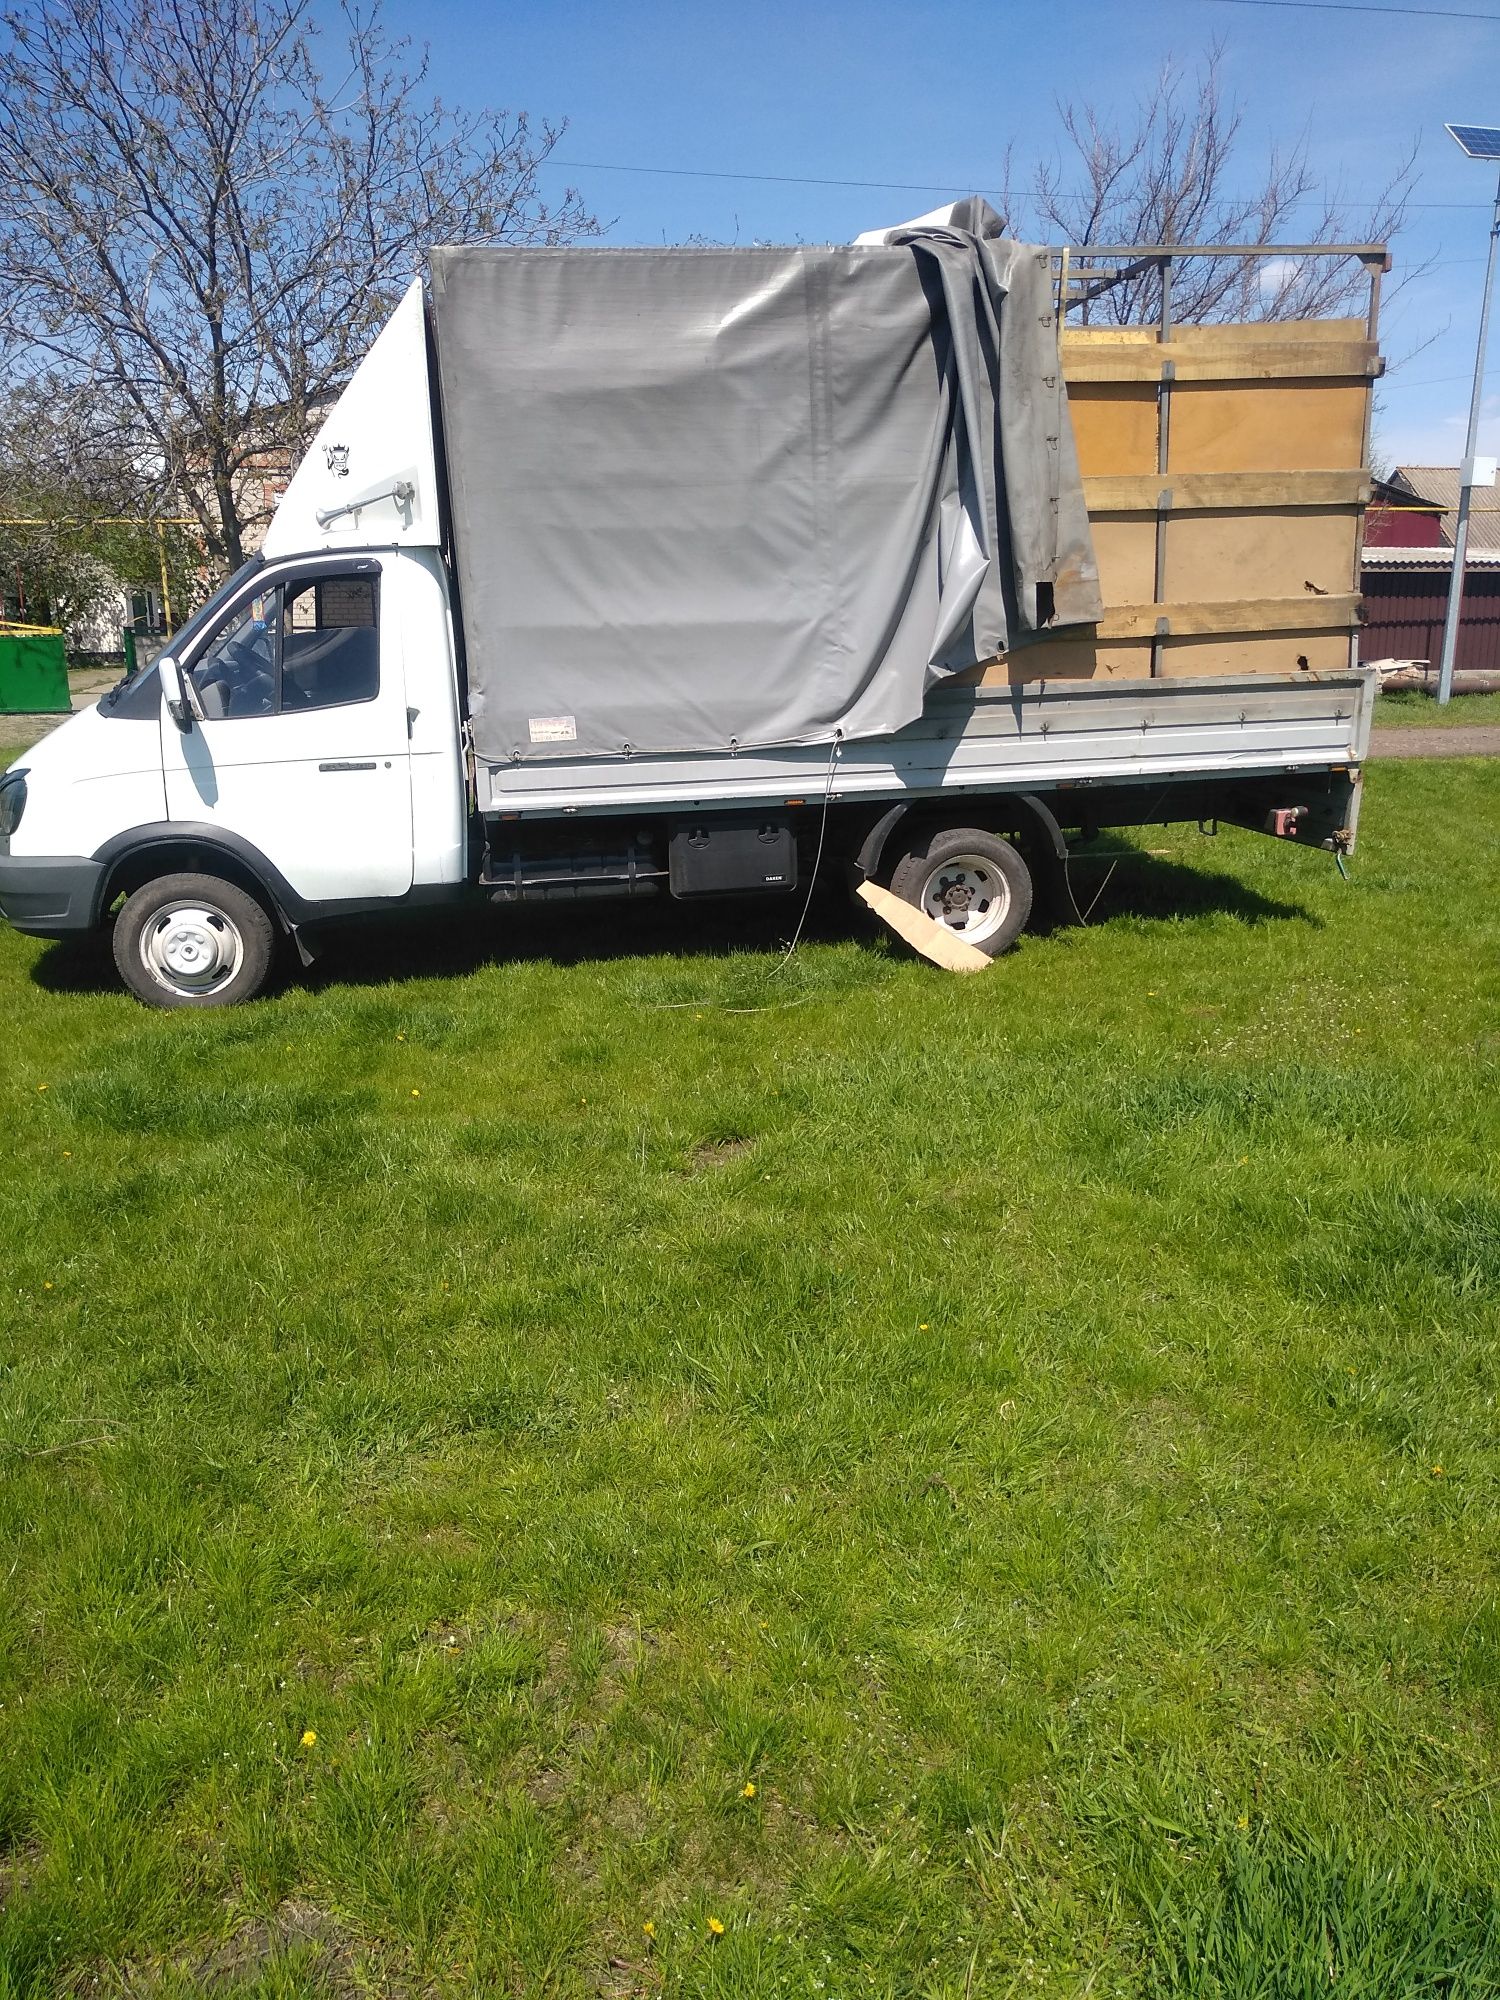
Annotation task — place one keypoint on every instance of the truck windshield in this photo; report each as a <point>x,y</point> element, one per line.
<point>204,615</point>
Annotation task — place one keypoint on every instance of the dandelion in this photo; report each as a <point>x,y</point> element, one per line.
<point>309,1738</point>
<point>66,1154</point>
<point>715,1928</point>
<point>1243,1821</point>
<point>400,1038</point>
<point>1437,1472</point>
<point>923,1327</point>
<point>46,1284</point>
<point>41,1087</point>
<point>747,1790</point>
<point>416,1093</point>
<point>650,1929</point>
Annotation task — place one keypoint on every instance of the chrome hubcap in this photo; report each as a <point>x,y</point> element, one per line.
<point>969,895</point>
<point>193,950</point>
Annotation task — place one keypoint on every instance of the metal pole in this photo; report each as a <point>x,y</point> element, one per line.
<point>1466,472</point>
<point>166,588</point>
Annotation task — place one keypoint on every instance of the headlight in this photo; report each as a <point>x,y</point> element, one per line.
<point>12,801</point>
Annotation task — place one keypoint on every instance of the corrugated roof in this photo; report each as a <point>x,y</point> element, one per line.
<point>1387,558</point>
<point>1439,483</point>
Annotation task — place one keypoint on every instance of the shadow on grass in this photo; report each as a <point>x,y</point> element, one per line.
<point>448,943</point>
<point>1146,885</point>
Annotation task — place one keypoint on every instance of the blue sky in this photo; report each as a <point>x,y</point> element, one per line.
<point>931,96</point>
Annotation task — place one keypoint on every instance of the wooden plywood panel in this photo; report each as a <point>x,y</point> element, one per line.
<point>1115,427</point>
<point>1231,555</point>
<point>1125,548</point>
<point>1267,427</point>
<point>1258,653</point>
<point>1266,482</point>
<point>1246,364</point>
<point>1240,614</point>
<point>1139,491</point>
<point>1271,332</point>
<point>1264,351</point>
<point>1071,658</point>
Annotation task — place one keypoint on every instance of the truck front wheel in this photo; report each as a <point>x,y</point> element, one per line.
<point>973,883</point>
<point>193,941</point>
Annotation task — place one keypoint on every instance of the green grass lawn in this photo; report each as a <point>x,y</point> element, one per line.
<point>975,1487</point>
<point>1407,708</point>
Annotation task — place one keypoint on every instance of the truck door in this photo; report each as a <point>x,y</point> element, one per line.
<point>303,747</point>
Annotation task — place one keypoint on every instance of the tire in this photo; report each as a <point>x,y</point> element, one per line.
<point>193,941</point>
<point>973,882</point>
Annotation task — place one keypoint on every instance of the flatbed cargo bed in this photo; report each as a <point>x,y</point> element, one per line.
<point>988,739</point>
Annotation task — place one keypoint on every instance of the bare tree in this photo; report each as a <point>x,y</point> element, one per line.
<point>77,523</point>
<point>1169,172</point>
<point>199,235</point>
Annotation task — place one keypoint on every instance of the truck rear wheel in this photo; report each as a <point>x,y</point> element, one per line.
<point>193,941</point>
<point>973,883</point>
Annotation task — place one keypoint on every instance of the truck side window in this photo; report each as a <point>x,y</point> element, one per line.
<point>330,644</point>
<point>236,673</point>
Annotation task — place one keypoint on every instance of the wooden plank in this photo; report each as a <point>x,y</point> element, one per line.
<point>1197,655</point>
<point>1132,493</point>
<point>1114,426</point>
<point>1244,614</point>
<point>1265,427</point>
<point>1213,556</point>
<point>925,934</point>
<point>1244,361</point>
<point>1228,333</point>
<point>1189,655</point>
<point>1067,657</point>
<point>1125,550</point>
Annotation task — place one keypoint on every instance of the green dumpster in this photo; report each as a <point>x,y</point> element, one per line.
<point>33,671</point>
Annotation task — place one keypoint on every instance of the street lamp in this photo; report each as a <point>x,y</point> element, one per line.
<point>1480,142</point>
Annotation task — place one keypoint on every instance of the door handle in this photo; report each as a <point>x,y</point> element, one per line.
<point>348,767</point>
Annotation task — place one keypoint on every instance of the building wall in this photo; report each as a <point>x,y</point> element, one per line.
<point>1403,524</point>
<point>1404,617</point>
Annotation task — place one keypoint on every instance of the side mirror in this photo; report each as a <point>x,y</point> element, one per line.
<point>182,697</point>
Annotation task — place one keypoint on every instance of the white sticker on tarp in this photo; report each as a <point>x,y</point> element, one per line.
<point>552,728</point>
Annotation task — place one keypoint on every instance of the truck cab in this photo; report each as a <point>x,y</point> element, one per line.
<point>298,746</point>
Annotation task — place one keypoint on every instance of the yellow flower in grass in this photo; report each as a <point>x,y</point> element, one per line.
<point>715,1927</point>
<point>309,1738</point>
<point>650,1929</point>
<point>747,1790</point>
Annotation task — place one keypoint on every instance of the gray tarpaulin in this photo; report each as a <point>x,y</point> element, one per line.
<point>705,498</point>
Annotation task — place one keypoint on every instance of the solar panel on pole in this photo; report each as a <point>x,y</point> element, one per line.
<point>1480,142</point>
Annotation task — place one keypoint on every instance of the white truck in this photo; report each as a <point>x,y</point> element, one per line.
<point>616,573</point>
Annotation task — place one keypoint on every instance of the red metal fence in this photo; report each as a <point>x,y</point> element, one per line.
<point>1404,617</point>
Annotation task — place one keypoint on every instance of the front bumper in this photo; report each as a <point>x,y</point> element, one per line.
<point>49,895</point>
